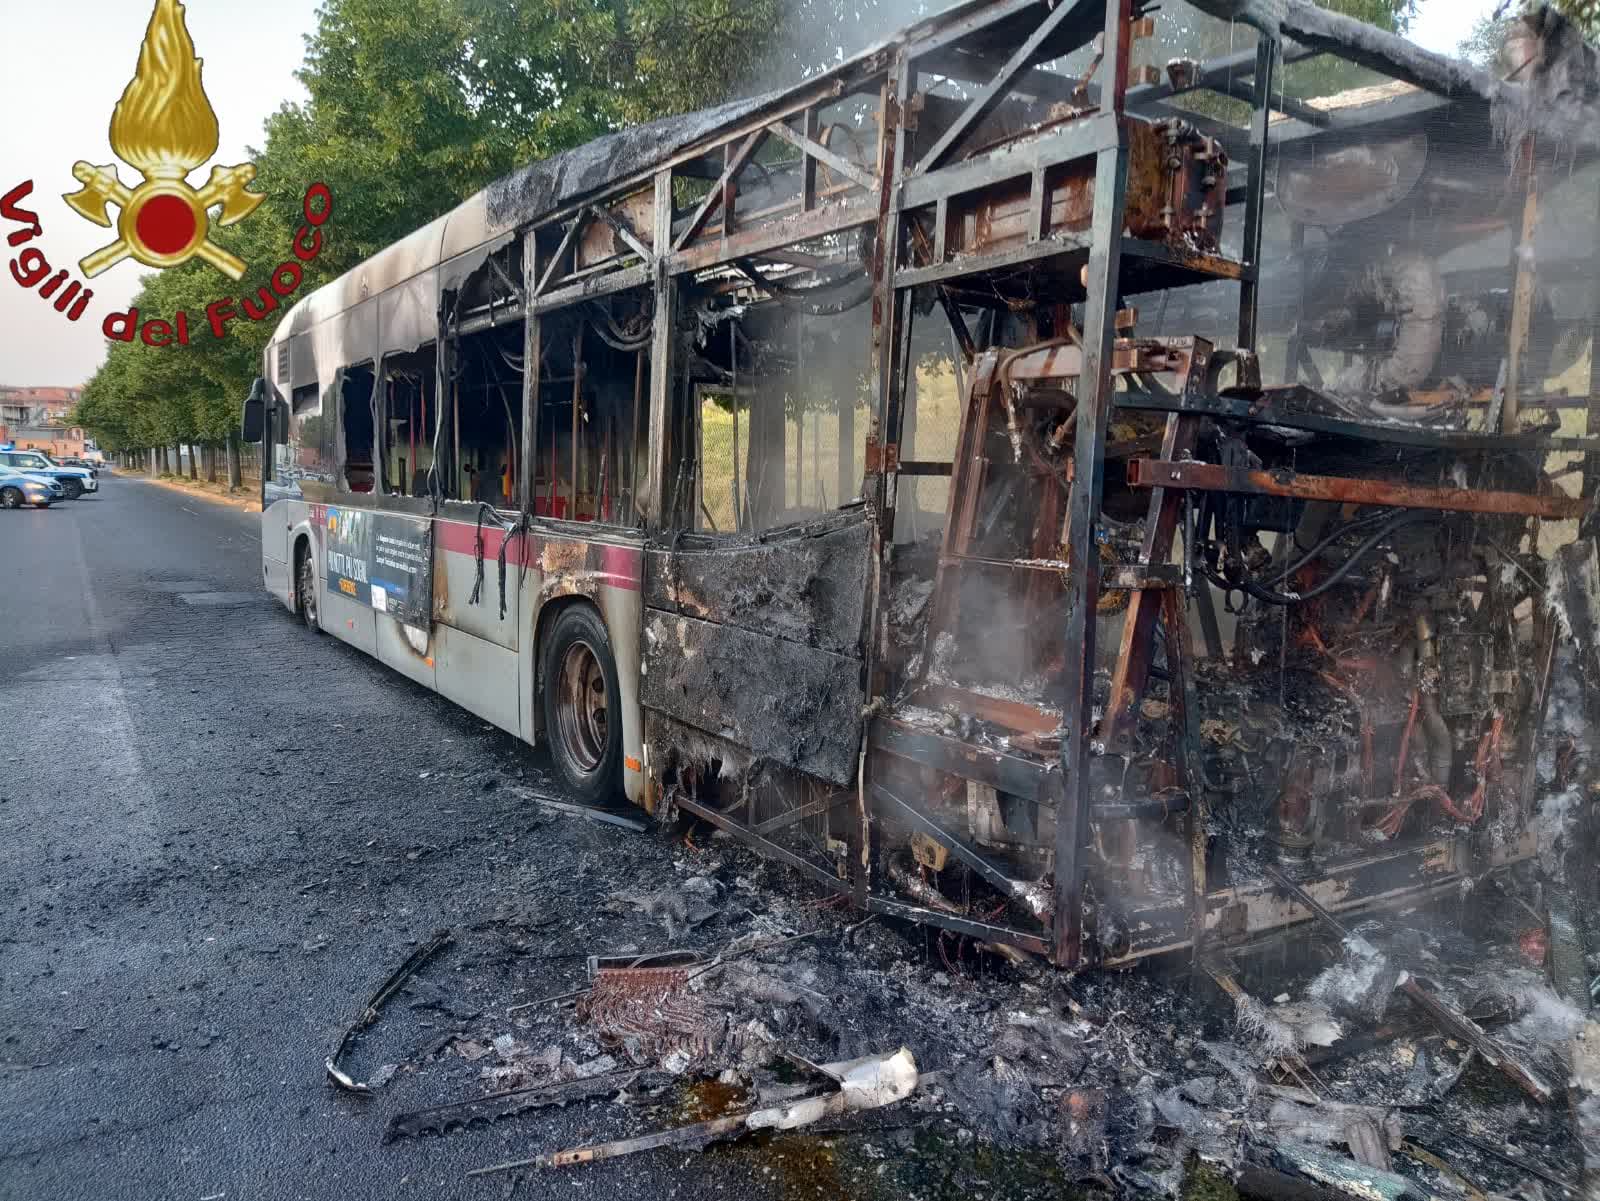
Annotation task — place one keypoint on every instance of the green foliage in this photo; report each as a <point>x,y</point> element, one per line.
<point>1487,36</point>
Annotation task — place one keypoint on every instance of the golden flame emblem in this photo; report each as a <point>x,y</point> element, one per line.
<point>164,127</point>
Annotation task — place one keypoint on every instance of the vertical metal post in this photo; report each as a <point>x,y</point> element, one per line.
<point>888,309</point>
<point>733,373</point>
<point>878,481</point>
<point>661,358</point>
<point>530,376</point>
<point>1296,346</point>
<point>638,430</point>
<point>808,165</point>
<point>577,405</point>
<point>1591,468</point>
<point>1255,190</point>
<point>1083,507</point>
<point>1522,298</point>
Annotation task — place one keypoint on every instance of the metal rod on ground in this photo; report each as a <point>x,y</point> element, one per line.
<point>716,1128</point>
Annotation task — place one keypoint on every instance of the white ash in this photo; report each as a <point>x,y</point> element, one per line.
<point>1358,985</point>
<point>1256,1023</point>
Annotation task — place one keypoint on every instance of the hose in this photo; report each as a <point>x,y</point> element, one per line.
<point>840,296</point>
<point>613,335</point>
<point>1339,532</point>
<point>1269,597</point>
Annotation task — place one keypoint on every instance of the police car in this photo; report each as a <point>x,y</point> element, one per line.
<point>76,480</point>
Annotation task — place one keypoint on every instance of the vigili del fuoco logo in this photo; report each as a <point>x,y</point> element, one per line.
<point>164,128</point>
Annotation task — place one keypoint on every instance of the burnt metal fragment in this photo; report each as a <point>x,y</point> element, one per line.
<point>374,1007</point>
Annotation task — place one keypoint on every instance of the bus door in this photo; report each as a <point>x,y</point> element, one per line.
<point>757,641</point>
<point>456,444</point>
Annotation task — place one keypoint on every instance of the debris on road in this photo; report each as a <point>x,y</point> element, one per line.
<point>440,1119</point>
<point>374,1006</point>
<point>869,1082</point>
<point>610,817</point>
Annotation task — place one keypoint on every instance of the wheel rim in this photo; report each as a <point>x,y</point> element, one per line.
<point>581,721</point>
<point>10,498</point>
<point>308,593</point>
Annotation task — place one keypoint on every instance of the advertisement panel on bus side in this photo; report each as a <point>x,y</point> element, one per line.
<point>384,560</point>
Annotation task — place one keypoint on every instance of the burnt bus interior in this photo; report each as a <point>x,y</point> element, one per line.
<point>1079,482</point>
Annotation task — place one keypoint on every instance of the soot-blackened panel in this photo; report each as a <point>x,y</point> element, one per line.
<point>530,192</point>
<point>806,585</point>
<point>785,702</point>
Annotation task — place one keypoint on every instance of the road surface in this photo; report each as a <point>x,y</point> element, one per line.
<point>218,832</point>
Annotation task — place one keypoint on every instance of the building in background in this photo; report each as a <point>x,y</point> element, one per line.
<point>38,419</point>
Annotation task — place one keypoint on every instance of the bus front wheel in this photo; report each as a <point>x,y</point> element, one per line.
<point>305,587</point>
<point>581,720</point>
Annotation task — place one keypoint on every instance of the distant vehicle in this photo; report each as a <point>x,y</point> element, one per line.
<point>76,480</point>
<point>18,488</point>
<point>86,464</point>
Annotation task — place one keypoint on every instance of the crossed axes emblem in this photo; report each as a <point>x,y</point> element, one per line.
<point>164,221</point>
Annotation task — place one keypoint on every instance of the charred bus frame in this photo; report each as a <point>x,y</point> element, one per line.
<point>1109,194</point>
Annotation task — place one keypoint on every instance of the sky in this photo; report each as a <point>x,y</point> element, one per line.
<point>66,65</point>
<point>68,75</point>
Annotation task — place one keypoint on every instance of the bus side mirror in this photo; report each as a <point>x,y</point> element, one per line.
<point>254,421</point>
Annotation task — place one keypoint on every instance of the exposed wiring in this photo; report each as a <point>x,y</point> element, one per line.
<point>1267,596</point>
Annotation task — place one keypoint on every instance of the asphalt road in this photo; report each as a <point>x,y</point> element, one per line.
<point>218,832</point>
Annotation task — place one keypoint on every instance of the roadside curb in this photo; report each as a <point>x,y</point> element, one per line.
<point>232,502</point>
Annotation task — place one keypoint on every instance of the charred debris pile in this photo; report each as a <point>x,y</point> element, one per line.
<point>1426,1055</point>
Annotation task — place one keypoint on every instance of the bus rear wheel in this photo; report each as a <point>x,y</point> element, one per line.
<point>581,718</point>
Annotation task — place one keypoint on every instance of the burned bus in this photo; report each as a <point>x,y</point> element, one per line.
<point>1033,478</point>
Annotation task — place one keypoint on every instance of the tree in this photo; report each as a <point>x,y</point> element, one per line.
<point>1489,34</point>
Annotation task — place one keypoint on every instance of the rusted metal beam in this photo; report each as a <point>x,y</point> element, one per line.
<point>1208,477</point>
<point>982,931</point>
<point>620,226</point>
<point>1240,65</point>
<point>531,348</point>
<point>890,319</point>
<point>550,272</point>
<point>799,813</point>
<point>1030,779</point>
<point>662,360</point>
<point>974,264</point>
<point>713,198</point>
<point>938,32</point>
<point>993,91</point>
<point>773,235</point>
<point>1032,897</point>
<point>637,276</point>
<point>816,150</point>
<point>1522,298</point>
<point>1013,715</point>
<point>764,845</point>
<point>1072,140</point>
<point>1132,671</point>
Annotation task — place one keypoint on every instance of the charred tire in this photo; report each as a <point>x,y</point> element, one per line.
<point>582,721</point>
<point>305,586</point>
<point>10,498</point>
<point>73,486</point>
